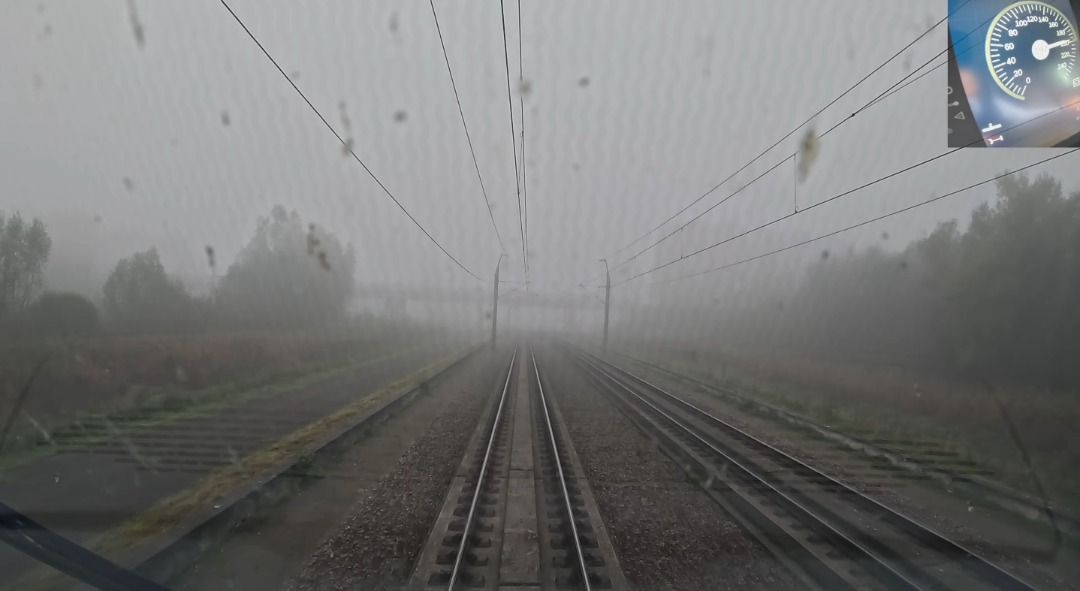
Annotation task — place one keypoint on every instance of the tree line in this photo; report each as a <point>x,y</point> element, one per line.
<point>999,298</point>
<point>288,276</point>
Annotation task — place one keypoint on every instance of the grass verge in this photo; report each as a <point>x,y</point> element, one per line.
<point>178,509</point>
<point>168,406</point>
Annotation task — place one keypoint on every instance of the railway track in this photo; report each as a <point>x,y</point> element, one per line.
<point>519,512</point>
<point>828,534</point>
<point>948,469</point>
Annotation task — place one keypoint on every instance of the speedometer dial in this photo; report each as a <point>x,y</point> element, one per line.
<point>1031,48</point>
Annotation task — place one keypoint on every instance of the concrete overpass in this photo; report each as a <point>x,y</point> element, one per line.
<point>480,296</point>
<point>471,308</point>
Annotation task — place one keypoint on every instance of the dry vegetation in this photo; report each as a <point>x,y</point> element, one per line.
<point>903,405</point>
<point>176,511</point>
<point>128,379</point>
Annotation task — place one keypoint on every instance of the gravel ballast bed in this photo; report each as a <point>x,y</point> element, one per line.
<point>378,542</point>
<point>667,533</point>
<point>856,471</point>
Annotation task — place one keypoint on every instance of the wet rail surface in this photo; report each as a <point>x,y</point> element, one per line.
<point>828,534</point>
<point>519,513</point>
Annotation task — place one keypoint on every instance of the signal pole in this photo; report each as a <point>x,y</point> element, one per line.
<point>607,300</point>
<point>495,302</point>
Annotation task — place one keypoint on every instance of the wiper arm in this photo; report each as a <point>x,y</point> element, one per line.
<point>45,545</point>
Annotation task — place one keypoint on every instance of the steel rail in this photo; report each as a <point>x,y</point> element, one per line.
<point>801,511</point>
<point>974,564</point>
<point>562,477</point>
<point>462,546</point>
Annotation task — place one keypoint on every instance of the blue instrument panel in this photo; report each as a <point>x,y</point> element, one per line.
<point>1014,79</point>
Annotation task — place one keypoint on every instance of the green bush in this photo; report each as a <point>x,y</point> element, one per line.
<point>54,315</point>
<point>63,314</point>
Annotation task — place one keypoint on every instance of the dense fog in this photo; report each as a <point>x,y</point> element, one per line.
<point>170,180</point>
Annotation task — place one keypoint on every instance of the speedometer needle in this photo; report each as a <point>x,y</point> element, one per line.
<point>1041,49</point>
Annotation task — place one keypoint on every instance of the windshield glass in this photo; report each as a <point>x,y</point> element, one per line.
<point>559,295</point>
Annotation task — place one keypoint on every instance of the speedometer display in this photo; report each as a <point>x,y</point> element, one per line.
<point>1031,48</point>
<point>1014,73</point>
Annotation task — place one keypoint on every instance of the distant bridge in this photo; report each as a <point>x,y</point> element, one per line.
<point>476,297</point>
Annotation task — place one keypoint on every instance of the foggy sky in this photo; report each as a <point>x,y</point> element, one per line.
<point>678,96</point>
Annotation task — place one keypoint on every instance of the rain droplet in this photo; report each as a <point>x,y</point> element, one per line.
<point>56,478</point>
<point>400,116</point>
<point>583,81</point>
<point>136,25</point>
<point>809,149</point>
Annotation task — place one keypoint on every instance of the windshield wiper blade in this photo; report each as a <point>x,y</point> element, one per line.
<point>45,545</point>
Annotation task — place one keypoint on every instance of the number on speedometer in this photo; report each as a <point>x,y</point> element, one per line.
<point>1031,47</point>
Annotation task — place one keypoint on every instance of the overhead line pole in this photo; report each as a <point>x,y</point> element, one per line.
<point>495,302</point>
<point>607,300</point>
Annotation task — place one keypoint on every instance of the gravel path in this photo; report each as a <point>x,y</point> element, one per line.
<point>667,533</point>
<point>378,542</point>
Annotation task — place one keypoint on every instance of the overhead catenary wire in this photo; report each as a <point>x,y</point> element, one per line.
<point>468,136</point>
<point>898,87</point>
<point>830,199</point>
<point>521,124</point>
<point>790,133</point>
<point>513,140</point>
<point>839,195</point>
<point>901,84</point>
<point>881,96</point>
<point>345,144</point>
<point>513,291</point>
<point>866,222</point>
<point>874,101</point>
<point>698,216</point>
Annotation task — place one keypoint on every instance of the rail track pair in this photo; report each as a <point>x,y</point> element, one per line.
<point>519,512</point>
